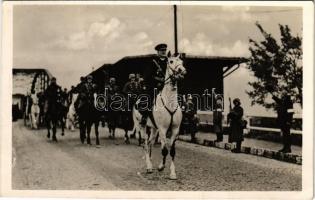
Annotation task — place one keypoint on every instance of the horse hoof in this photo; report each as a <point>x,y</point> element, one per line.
<point>62,134</point>
<point>48,135</point>
<point>161,168</point>
<point>173,177</point>
<point>149,171</point>
<point>127,142</point>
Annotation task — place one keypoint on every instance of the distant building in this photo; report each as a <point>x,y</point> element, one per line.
<point>203,72</point>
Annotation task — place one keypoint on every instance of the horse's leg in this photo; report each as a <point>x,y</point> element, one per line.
<point>54,138</point>
<point>48,126</point>
<point>172,153</point>
<point>96,124</point>
<point>126,136</point>
<point>148,150</point>
<point>157,139</point>
<point>162,135</point>
<point>82,130</point>
<point>139,138</point>
<point>88,131</point>
<point>133,135</point>
<point>62,126</point>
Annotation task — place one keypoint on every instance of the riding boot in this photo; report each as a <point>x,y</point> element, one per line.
<point>143,121</point>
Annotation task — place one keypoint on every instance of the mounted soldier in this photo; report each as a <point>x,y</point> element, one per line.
<point>131,89</point>
<point>113,116</point>
<point>113,88</point>
<point>52,108</point>
<point>85,108</point>
<point>154,77</point>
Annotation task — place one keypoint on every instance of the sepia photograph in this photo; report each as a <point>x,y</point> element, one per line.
<point>157,97</point>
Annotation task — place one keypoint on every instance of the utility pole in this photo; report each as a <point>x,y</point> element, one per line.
<point>175,28</point>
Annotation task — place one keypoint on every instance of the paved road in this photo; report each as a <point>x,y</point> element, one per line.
<point>41,164</point>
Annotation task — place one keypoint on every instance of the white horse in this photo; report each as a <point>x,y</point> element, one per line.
<point>167,115</point>
<point>71,115</point>
<point>35,110</point>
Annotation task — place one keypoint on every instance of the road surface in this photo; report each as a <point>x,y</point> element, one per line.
<point>39,163</point>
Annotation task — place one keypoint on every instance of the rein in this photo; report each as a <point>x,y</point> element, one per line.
<point>169,111</point>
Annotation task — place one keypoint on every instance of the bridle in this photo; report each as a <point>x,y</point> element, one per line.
<point>172,73</point>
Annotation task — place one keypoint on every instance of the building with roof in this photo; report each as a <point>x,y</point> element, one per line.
<point>203,72</point>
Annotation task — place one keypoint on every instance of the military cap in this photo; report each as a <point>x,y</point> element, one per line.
<point>89,77</point>
<point>189,97</point>
<point>237,100</point>
<point>112,79</point>
<point>53,79</point>
<point>132,76</point>
<point>160,47</point>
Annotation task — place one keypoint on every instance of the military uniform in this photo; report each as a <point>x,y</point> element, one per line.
<point>113,89</point>
<point>217,122</point>
<point>86,95</point>
<point>131,87</point>
<point>189,119</point>
<point>284,119</point>
<point>53,94</point>
<point>154,76</point>
<point>236,126</point>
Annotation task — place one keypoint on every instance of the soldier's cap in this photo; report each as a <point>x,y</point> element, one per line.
<point>189,97</point>
<point>132,76</point>
<point>237,100</point>
<point>161,47</point>
<point>90,77</point>
<point>112,79</point>
<point>53,79</point>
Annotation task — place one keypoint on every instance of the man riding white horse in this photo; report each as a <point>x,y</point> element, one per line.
<point>154,79</point>
<point>166,114</point>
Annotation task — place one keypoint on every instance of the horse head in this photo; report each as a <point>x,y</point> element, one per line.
<point>176,69</point>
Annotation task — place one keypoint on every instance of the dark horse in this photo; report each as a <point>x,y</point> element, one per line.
<point>122,118</point>
<point>53,113</point>
<point>88,115</point>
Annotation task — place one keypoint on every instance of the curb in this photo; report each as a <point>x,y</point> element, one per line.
<point>286,157</point>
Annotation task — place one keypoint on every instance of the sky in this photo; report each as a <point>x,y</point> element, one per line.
<point>72,40</point>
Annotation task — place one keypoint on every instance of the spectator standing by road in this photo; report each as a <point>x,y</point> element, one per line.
<point>190,118</point>
<point>235,117</point>
<point>284,109</point>
<point>217,120</point>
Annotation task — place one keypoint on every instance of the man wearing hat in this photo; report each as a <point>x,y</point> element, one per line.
<point>131,86</point>
<point>154,78</point>
<point>235,117</point>
<point>190,118</point>
<point>52,96</point>
<point>113,87</point>
<point>86,92</point>
<point>131,90</point>
<point>284,108</point>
